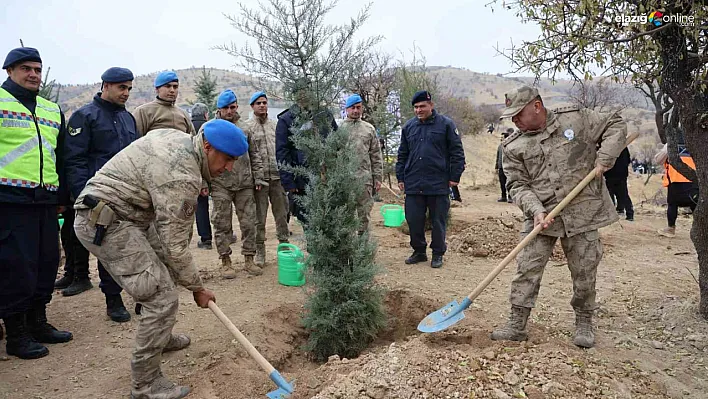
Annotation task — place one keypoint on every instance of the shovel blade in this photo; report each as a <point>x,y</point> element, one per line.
<point>279,393</point>
<point>285,388</point>
<point>444,317</point>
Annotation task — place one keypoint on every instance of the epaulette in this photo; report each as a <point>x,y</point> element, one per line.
<point>511,138</point>
<point>562,110</point>
<point>283,112</point>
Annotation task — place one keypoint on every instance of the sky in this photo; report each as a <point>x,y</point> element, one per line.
<point>79,39</point>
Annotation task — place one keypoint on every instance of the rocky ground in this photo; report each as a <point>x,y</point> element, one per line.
<point>650,341</point>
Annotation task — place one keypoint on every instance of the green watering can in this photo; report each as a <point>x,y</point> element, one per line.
<point>291,265</point>
<point>393,215</point>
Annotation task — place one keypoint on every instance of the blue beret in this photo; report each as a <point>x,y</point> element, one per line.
<point>117,74</point>
<point>353,99</point>
<point>164,78</point>
<point>226,137</point>
<point>226,98</point>
<point>21,54</point>
<point>256,96</point>
<point>421,96</point>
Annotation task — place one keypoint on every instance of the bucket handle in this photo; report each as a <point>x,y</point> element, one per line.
<point>388,206</point>
<point>292,247</point>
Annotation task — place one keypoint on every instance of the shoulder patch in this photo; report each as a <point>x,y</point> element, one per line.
<point>187,209</point>
<point>561,110</point>
<point>74,131</point>
<point>511,138</point>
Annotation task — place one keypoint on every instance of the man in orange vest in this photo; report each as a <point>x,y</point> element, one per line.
<point>681,191</point>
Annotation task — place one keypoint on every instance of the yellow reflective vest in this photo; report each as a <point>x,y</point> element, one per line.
<point>28,143</point>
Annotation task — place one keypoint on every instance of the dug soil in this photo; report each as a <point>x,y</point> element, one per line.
<point>650,341</point>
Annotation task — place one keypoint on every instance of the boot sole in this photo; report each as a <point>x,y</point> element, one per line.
<point>415,262</point>
<point>36,356</point>
<point>72,293</point>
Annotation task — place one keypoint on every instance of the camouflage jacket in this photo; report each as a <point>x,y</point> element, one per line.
<point>156,180</point>
<point>161,114</point>
<point>367,146</point>
<point>262,133</point>
<point>241,177</point>
<point>542,167</point>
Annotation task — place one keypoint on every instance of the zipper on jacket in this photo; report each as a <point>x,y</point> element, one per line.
<point>41,153</point>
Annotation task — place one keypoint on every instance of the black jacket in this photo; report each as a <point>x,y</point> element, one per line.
<point>198,121</point>
<point>38,195</point>
<point>97,132</point>
<point>430,155</point>
<point>285,151</point>
<point>621,168</point>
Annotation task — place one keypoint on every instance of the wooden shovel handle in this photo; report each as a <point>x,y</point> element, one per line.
<point>557,210</point>
<point>265,365</point>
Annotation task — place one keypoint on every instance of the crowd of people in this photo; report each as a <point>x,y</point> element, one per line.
<point>130,186</point>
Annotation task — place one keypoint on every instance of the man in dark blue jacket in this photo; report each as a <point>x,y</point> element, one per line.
<point>616,181</point>
<point>430,161</point>
<point>200,115</point>
<point>97,132</point>
<point>287,154</point>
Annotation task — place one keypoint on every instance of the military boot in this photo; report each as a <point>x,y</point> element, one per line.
<point>78,286</point>
<point>227,270</point>
<point>416,257</point>
<point>115,309</point>
<point>584,336</point>
<point>177,343</point>
<point>515,328</point>
<point>19,341</point>
<point>65,281</point>
<point>42,331</point>
<point>260,255</point>
<point>251,267</point>
<point>160,388</point>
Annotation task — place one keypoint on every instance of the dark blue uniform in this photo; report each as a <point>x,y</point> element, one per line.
<point>429,157</point>
<point>97,132</point>
<point>203,225</point>
<point>287,154</point>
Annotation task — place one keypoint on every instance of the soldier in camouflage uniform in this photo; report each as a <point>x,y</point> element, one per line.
<point>235,187</point>
<point>366,144</point>
<point>549,155</point>
<point>145,198</point>
<point>267,178</point>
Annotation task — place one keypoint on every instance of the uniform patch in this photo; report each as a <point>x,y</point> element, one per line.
<point>569,134</point>
<point>187,209</point>
<point>74,131</point>
<point>456,132</point>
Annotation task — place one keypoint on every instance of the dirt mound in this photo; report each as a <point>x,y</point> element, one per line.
<point>417,369</point>
<point>493,237</point>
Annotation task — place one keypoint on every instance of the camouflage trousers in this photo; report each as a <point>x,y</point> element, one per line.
<point>583,251</point>
<point>363,208</point>
<point>275,195</point>
<point>133,256</point>
<point>221,219</point>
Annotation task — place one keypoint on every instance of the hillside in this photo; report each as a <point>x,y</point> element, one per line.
<point>480,88</point>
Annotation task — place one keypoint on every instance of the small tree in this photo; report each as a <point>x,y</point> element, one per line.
<point>490,113</point>
<point>47,88</point>
<point>412,77</point>
<point>461,111</point>
<point>296,48</point>
<point>205,88</point>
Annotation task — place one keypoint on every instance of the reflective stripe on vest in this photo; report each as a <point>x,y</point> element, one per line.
<point>671,175</point>
<point>28,143</point>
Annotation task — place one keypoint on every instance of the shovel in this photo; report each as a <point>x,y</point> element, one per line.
<point>453,312</point>
<point>284,388</point>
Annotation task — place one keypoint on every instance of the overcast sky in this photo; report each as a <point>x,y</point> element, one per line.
<point>80,39</point>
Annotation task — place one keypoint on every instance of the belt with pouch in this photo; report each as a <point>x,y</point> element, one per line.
<point>100,216</point>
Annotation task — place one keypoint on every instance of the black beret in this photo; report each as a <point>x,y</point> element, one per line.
<point>421,96</point>
<point>21,54</point>
<point>117,74</point>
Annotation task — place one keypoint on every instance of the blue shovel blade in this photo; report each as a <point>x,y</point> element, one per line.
<point>284,388</point>
<point>444,317</point>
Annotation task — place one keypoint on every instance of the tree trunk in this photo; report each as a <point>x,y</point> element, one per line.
<point>692,107</point>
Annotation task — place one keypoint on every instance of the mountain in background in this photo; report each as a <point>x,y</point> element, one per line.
<point>480,88</point>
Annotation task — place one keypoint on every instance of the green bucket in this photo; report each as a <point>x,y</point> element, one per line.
<point>393,215</point>
<point>291,262</point>
<point>61,221</point>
